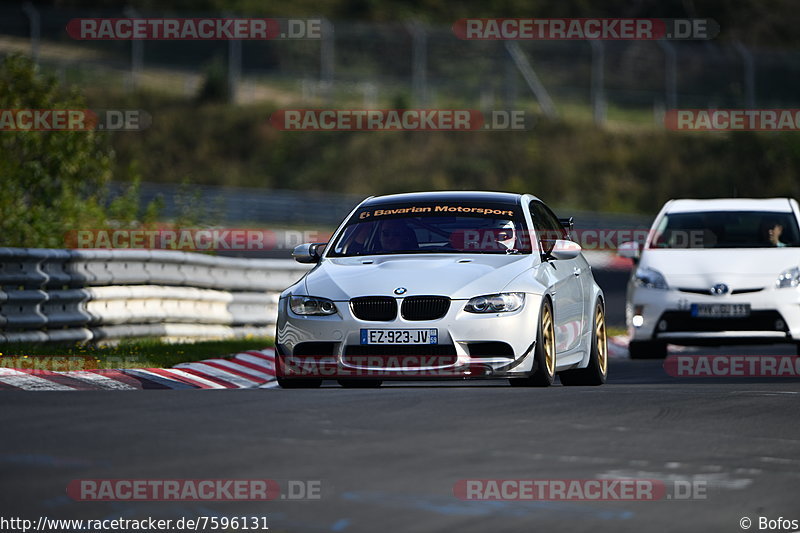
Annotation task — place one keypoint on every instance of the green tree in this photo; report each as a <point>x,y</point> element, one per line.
<point>52,181</point>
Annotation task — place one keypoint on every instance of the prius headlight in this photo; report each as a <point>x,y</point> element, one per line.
<point>496,303</point>
<point>309,305</point>
<point>789,278</point>
<point>650,278</point>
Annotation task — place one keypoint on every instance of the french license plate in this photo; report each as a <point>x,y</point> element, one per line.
<point>720,310</point>
<point>399,336</point>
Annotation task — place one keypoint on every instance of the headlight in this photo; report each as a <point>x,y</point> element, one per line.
<point>496,303</point>
<point>789,278</point>
<point>309,305</point>
<point>652,279</point>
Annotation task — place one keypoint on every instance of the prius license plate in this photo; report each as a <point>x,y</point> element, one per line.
<point>720,310</point>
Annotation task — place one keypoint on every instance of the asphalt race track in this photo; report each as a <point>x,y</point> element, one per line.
<point>388,459</point>
<point>614,284</point>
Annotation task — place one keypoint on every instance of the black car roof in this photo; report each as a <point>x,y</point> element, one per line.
<point>445,196</point>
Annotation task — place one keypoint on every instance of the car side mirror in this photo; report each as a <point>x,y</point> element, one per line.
<point>309,252</point>
<point>563,249</point>
<point>630,250</point>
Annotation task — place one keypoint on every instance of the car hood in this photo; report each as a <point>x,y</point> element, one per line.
<point>737,268</point>
<point>456,276</point>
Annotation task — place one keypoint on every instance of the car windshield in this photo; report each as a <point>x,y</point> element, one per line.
<point>727,229</point>
<point>433,228</point>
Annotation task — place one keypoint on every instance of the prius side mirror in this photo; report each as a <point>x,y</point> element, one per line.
<point>630,250</point>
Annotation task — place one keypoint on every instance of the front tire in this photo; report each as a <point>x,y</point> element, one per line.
<point>544,353</point>
<point>597,370</point>
<point>647,350</point>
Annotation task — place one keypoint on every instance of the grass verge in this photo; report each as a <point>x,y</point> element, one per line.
<point>141,353</point>
<point>614,331</point>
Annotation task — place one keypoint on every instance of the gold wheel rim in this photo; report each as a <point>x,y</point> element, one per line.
<point>549,338</point>
<point>600,335</point>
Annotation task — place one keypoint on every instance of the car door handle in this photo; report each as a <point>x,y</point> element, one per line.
<point>576,271</point>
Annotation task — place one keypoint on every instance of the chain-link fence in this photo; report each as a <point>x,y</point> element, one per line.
<point>409,64</point>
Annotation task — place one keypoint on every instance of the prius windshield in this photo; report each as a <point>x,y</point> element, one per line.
<point>727,229</point>
<point>433,228</point>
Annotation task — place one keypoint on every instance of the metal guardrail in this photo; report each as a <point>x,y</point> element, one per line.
<point>86,295</point>
<point>237,205</point>
<point>103,295</point>
<point>250,204</point>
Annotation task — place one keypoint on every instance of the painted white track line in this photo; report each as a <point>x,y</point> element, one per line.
<point>202,383</point>
<point>21,380</point>
<point>234,380</point>
<point>243,369</point>
<point>100,381</point>
<point>252,369</point>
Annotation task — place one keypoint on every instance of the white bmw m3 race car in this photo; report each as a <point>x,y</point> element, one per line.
<point>444,285</point>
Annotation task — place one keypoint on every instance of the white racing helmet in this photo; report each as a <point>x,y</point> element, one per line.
<point>505,233</point>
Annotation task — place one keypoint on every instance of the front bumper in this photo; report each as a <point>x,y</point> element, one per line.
<point>469,345</point>
<point>665,315</point>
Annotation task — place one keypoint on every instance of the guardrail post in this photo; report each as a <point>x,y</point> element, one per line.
<point>749,64</point>
<point>670,73</point>
<point>419,63</point>
<point>598,81</point>
<point>327,58</point>
<point>36,29</point>
<point>234,66</point>
<point>536,86</point>
<point>137,52</point>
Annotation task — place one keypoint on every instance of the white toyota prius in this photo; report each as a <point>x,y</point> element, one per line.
<point>723,271</point>
<point>444,285</point>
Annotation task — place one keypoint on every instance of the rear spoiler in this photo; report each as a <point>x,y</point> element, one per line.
<point>568,223</point>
